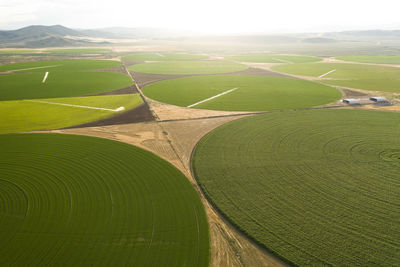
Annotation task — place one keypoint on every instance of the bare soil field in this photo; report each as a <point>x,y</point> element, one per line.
<point>143,79</point>
<point>258,72</point>
<point>123,91</point>
<point>138,114</point>
<point>119,69</point>
<point>352,93</point>
<point>131,62</point>
<point>166,112</point>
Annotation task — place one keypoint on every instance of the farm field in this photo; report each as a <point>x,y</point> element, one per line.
<point>316,187</point>
<point>62,65</point>
<point>163,57</point>
<point>82,201</point>
<point>373,59</point>
<point>78,51</point>
<point>268,58</point>
<point>188,67</point>
<point>17,51</point>
<point>250,93</point>
<point>28,115</point>
<point>360,76</point>
<point>65,78</point>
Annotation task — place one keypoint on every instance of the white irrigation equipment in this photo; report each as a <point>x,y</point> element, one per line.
<point>283,61</point>
<point>221,94</point>
<point>77,106</point>
<point>329,72</point>
<point>45,77</point>
<point>119,109</point>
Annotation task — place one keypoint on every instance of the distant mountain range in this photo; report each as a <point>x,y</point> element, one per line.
<point>58,36</point>
<point>36,36</point>
<point>41,36</point>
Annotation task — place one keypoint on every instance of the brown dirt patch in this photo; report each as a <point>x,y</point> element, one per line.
<point>138,114</point>
<point>144,79</point>
<point>119,69</point>
<point>166,112</point>
<point>123,91</point>
<point>131,62</point>
<point>352,93</point>
<point>256,71</point>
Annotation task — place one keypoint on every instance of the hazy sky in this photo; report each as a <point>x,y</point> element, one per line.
<point>214,16</point>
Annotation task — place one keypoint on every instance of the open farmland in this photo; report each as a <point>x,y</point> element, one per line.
<point>243,93</point>
<point>316,187</point>
<point>188,67</point>
<point>271,58</point>
<point>163,57</point>
<point>360,76</point>
<point>65,78</point>
<point>373,59</point>
<point>82,201</point>
<point>28,115</point>
<point>78,51</point>
<point>17,51</point>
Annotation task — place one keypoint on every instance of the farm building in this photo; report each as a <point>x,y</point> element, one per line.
<point>378,99</point>
<point>351,101</point>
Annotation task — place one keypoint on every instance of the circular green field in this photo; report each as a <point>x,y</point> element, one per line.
<point>373,59</point>
<point>318,187</point>
<point>360,76</point>
<point>65,78</point>
<point>163,57</point>
<point>81,201</point>
<point>242,93</point>
<point>188,67</point>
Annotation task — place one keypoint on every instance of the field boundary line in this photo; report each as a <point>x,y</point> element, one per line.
<point>329,72</point>
<point>155,116</point>
<point>221,94</point>
<point>51,66</point>
<point>45,77</point>
<point>282,60</point>
<point>77,106</point>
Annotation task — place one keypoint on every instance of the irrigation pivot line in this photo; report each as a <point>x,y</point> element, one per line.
<point>224,93</point>
<point>284,61</point>
<point>45,77</point>
<point>77,106</point>
<point>329,72</point>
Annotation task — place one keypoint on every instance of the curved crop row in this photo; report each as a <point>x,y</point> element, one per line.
<point>93,202</point>
<point>316,187</point>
